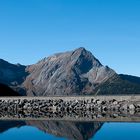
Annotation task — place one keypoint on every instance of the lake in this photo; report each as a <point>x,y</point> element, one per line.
<point>63,130</point>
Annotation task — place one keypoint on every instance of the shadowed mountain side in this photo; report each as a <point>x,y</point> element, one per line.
<point>12,74</point>
<point>7,91</point>
<point>69,130</point>
<point>119,85</point>
<point>132,79</point>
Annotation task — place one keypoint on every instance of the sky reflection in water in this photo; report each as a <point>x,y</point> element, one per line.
<point>25,133</point>
<point>118,131</point>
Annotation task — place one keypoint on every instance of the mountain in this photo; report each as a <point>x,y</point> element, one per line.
<point>75,72</point>
<point>70,73</point>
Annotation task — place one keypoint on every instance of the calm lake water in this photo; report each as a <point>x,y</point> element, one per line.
<point>56,130</point>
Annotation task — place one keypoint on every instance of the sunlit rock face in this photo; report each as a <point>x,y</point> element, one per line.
<point>66,74</point>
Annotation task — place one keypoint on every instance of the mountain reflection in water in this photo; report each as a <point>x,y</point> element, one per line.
<point>63,130</point>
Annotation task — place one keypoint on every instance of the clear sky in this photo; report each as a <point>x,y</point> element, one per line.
<point>34,29</point>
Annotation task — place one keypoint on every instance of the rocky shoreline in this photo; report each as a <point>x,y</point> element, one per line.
<point>89,108</point>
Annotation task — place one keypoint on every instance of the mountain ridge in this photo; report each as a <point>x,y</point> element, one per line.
<point>76,72</point>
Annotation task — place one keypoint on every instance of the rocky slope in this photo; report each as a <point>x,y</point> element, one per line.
<point>76,72</point>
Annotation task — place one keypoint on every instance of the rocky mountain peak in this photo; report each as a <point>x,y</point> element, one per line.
<point>84,60</point>
<point>68,73</point>
<point>81,49</point>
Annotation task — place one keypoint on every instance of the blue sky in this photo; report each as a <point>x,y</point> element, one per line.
<point>110,29</point>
